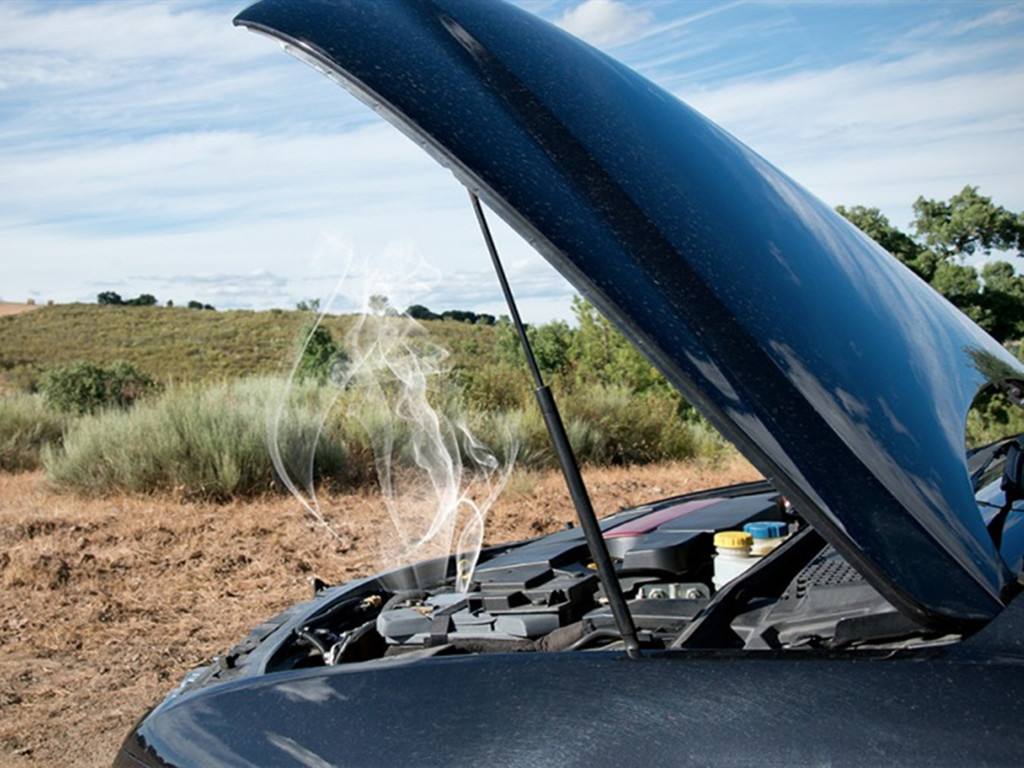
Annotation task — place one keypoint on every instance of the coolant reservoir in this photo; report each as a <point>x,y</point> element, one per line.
<point>732,556</point>
<point>768,534</point>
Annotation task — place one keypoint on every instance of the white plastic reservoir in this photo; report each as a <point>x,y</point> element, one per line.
<point>732,556</point>
<point>768,534</point>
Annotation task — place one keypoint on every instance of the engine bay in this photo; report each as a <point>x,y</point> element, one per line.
<point>544,595</point>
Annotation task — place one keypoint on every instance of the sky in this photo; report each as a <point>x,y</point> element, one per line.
<point>152,147</point>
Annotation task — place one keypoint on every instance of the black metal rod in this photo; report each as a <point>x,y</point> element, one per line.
<point>567,460</point>
<point>506,289</point>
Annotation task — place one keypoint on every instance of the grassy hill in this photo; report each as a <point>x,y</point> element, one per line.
<point>213,438</point>
<point>178,344</point>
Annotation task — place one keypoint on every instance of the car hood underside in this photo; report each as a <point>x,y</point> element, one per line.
<point>837,372</point>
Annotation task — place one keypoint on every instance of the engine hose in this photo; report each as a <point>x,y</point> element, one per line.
<point>597,634</point>
<point>562,638</point>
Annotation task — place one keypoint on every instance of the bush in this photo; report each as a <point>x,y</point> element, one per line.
<point>209,443</point>
<point>26,425</point>
<point>630,428</point>
<point>992,417</point>
<point>605,425</point>
<point>80,388</point>
<point>499,386</point>
<point>320,356</point>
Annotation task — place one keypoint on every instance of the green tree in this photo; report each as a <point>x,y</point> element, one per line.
<point>967,223</point>
<point>109,298</point>
<point>420,312</point>
<point>320,356</point>
<point>552,346</point>
<point>599,350</point>
<point>960,285</point>
<point>379,304</point>
<point>1003,297</point>
<point>946,232</point>
<point>459,315</point>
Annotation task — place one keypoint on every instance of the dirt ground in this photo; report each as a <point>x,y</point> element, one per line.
<point>16,308</point>
<point>106,604</point>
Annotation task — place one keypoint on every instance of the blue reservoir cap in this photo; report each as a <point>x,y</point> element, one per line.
<point>766,529</point>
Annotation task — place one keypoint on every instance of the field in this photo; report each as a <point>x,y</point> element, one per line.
<point>173,344</point>
<point>105,604</point>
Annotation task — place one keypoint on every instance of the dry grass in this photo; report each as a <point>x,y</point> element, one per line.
<point>106,604</point>
<point>175,344</point>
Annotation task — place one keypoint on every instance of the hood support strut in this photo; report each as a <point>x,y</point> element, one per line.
<point>567,459</point>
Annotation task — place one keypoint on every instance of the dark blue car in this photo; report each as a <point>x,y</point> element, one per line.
<point>855,608</point>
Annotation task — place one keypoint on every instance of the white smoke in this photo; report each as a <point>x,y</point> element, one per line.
<point>437,480</point>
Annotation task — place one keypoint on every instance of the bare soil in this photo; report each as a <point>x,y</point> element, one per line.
<point>16,308</point>
<point>105,604</point>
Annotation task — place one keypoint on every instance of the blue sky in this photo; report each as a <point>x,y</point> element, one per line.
<point>153,147</point>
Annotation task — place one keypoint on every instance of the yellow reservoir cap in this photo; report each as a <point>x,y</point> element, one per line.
<point>733,539</point>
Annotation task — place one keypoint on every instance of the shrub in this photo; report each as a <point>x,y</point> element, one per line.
<point>83,387</point>
<point>320,356</point>
<point>605,425</point>
<point>499,386</point>
<point>630,428</point>
<point>992,417</point>
<point>204,443</point>
<point>26,425</point>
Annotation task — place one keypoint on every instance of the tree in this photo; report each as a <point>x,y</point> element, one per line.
<point>1003,297</point>
<point>946,232</point>
<point>420,312</point>
<point>599,350</point>
<point>961,287</point>
<point>313,305</point>
<point>967,223</point>
<point>320,356</point>
<point>379,304</point>
<point>459,315</point>
<point>114,299</point>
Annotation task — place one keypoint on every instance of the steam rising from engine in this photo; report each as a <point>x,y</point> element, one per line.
<point>437,480</point>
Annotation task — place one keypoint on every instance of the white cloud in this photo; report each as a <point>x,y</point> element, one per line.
<point>207,176</point>
<point>605,23</point>
<point>883,132</point>
<point>117,31</point>
<point>151,147</point>
<point>75,72</point>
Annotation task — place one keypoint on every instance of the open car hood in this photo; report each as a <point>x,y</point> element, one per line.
<point>836,371</point>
